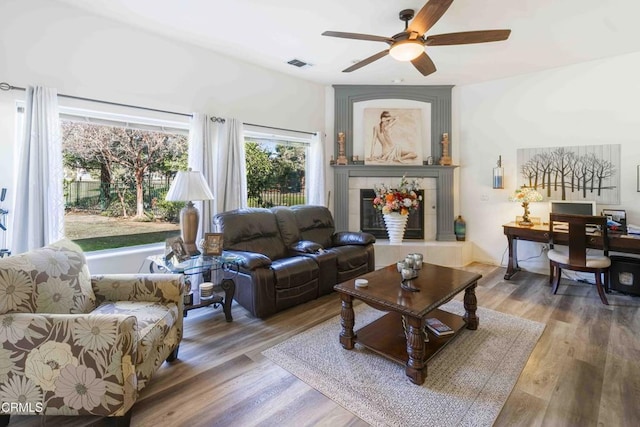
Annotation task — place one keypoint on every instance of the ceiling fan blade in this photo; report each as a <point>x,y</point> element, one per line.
<point>428,15</point>
<point>358,36</point>
<point>424,64</point>
<point>367,61</point>
<point>468,37</point>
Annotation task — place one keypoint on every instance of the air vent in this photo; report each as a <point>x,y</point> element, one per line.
<point>297,63</point>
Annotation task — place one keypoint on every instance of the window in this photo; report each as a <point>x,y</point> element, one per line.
<point>276,167</point>
<point>117,172</point>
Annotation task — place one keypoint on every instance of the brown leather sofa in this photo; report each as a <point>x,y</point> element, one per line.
<point>290,255</point>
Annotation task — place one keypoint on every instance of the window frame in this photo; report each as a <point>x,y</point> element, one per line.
<point>105,118</point>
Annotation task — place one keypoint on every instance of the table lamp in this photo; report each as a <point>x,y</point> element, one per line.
<point>525,195</point>
<point>188,186</point>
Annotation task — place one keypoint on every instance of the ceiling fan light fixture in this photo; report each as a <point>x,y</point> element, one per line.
<point>406,50</point>
<point>409,45</point>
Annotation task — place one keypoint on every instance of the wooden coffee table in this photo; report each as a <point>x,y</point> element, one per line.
<point>386,335</point>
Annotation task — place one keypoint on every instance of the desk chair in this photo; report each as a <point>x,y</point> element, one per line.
<point>576,257</point>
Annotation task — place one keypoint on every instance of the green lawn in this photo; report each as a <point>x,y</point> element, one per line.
<point>111,242</point>
<point>97,232</point>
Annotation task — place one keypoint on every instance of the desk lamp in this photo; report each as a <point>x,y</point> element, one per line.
<point>525,195</point>
<point>188,186</point>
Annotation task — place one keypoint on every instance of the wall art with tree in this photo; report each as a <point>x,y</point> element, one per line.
<point>590,172</point>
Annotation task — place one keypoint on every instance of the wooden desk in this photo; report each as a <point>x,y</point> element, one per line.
<point>540,233</point>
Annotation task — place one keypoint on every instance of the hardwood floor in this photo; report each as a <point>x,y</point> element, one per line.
<point>584,370</point>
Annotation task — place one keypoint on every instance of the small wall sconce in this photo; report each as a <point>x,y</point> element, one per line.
<point>498,174</point>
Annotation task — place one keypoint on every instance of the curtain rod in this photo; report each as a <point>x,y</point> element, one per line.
<point>222,120</point>
<point>6,87</point>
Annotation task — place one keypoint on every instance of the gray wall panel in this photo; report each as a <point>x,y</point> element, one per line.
<point>440,99</point>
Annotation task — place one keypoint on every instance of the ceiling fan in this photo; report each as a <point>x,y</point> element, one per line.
<point>409,44</point>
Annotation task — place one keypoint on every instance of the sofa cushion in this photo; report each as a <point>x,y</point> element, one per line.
<point>287,224</point>
<point>52,279</point>
<point>154,320</point>
<point>296,281</point>
<point>252,230</point>
<point>295,271</point>
<point>349,257</point>
<point>315,223</point>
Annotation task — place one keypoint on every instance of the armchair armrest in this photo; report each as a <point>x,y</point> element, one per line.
<point>344,238</point>
<point>163,288</point>
<point>55,350</point>
<point>251,260</point>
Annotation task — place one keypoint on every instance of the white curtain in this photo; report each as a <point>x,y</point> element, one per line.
<point>216,148</point>
<point>202,158</point>
<point>315,172</point>
<point>39,208</point>
<point>231,171</point>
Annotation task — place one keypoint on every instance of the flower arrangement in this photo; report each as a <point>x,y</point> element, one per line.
<point>403,199</point>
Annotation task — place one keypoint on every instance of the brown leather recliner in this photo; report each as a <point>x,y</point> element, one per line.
<point>290,255</point>
<point>269,279</point>
<point>310,230</point>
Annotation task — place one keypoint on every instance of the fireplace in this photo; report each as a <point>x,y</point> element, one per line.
<point>438,200</point>
<point>371,220</point>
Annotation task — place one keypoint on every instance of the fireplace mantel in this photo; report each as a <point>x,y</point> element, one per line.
<point>444,191</point>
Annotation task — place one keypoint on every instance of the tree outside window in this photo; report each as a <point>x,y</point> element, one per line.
<point>120,175</point>
<point>275,172</point>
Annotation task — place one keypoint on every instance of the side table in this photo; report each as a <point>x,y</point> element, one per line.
<point>202,268</point>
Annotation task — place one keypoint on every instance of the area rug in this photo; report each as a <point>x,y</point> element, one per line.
<point>467,382</point>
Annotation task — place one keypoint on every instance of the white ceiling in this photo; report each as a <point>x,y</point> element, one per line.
<point>545,34</point>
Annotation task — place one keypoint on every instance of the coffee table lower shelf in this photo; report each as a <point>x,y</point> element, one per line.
<point>386,337</point>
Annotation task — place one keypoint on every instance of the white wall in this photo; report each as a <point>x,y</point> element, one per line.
<point>52,44</point>
<point>584,104</point>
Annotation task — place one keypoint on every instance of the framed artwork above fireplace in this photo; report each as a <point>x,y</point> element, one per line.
<point>392,132</point>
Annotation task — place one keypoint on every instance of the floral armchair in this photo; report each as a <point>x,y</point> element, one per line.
<point>75,344</point>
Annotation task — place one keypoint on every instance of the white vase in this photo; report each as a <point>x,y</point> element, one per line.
<point>396,224</point>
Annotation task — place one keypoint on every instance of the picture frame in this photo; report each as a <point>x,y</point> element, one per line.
<point>212,244</point>
<point>392,136</point>
<point>175,250</point>
<point>616,219</point>
<point>532,161</point>
<point>638,180</point>
<point>404,137</point>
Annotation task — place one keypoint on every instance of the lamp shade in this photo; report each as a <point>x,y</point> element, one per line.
<point>406,50</point>
<point>188,186</point>
<point>526,194</point>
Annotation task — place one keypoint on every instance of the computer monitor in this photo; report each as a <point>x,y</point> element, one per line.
<point>573,207</point>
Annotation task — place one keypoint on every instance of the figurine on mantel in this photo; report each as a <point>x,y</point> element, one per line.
<point>445,160</point>
<point>342,158</point>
